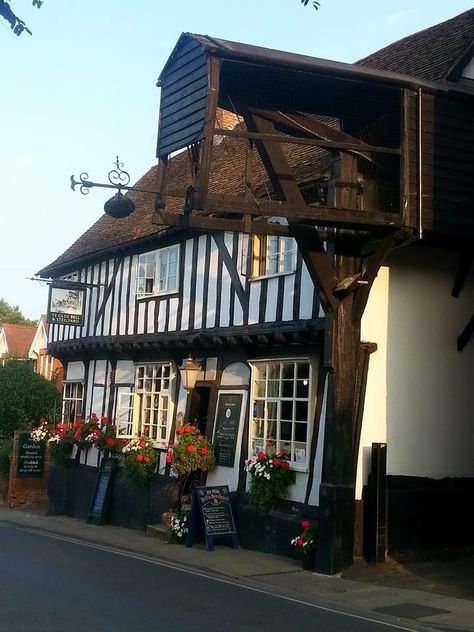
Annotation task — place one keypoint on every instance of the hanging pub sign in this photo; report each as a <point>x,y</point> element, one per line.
<point>226,427</point>
<point>66,305</point>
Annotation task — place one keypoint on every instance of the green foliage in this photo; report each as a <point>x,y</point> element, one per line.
<point>6,451</point>
<point>25,397</point>
<point>11,315</point>
<point>270,478</point>
<point>60,452</point>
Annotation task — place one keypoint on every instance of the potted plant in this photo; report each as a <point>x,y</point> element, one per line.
<point>306,544</point>
<point>270,479</point>
<point>190,455</point>
<point>179,527</point>
<point>140,460</point>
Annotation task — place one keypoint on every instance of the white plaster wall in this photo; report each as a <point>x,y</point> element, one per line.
<point>420,395</point>
<point>374,329</point>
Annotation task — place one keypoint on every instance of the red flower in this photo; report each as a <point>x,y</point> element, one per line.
<point>299,541</point>
<point>200,437</point>
<point>139,457</point>
<point>276,461</point>
<point>142,444</point>
<point>169,458</point>
<point>105,421</point>
<point>261,456</point>
<point>305,524</point>
<point>109,442</point>
<point>147,459</point>
<point>284,465</point>
<point>42,420</point>
<point>174,446</point>
<point>203,450</point>
<point>190,448</point>
<point>179,431</point>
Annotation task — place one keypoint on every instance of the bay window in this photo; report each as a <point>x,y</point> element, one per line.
<point>281,410</point>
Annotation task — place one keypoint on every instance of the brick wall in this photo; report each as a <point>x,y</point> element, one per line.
<point>26,491</point>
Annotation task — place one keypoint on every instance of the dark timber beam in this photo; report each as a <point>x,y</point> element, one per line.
<point>284,183</point>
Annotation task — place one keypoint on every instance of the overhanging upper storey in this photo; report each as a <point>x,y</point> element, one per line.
<point>314,141</point>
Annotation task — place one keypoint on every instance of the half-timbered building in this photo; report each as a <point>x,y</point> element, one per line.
<point>309,243</point>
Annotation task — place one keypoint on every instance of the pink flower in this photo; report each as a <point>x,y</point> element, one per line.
<point>200,437</point>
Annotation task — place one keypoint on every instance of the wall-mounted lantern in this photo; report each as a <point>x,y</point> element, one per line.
<point>189,372</point>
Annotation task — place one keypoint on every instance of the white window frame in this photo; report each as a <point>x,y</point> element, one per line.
<point>277,256</point>
<point>148,409</point>
<point>269,400</point>
<point>158,272</point>
<point>68,385</point>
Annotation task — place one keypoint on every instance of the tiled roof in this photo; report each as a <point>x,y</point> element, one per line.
<point>19,339</point>
<point>429,54</point>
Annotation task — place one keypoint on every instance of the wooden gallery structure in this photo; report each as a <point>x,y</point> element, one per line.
<point>309,215</point>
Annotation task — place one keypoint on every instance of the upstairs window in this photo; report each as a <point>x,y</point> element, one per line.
<point>157,272</point>
<point>273,255</point>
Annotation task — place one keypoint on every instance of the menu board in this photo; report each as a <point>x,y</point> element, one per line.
<point>102,490</point>
<point>213,506</point>
<point>226,427</point>
<point>30,457</point>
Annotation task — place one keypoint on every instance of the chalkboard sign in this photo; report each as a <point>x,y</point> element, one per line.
<point>101,497</point>
<point>30,457</point>
<point>226,427</point>
<point>212,509</point>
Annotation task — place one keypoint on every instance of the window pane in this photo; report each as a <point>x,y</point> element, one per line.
<point>302,371</point>
<point>273,388</point>
<point>300,432</point>
<point>272,410</point>
<point>285,431</point>
<point>301,411</point>
<point>287,410</point>
<point>288,371</point>
<point>302,388</point>
<point>287,388</point>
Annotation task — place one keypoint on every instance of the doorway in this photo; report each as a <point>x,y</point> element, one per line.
<point>199,408</point>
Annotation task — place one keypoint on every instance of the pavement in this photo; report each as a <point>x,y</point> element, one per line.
<point>413,594</point>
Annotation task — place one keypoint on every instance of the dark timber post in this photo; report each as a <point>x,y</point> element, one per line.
<point>336,496</point>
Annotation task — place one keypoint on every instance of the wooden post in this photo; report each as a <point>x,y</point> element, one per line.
<point>337,490</point>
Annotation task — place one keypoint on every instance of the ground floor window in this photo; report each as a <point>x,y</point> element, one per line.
<point>73,397</point>
<point>146,411</point>
<point>281,409</point>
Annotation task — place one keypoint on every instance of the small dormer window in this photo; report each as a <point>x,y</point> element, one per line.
<point>157,272</point>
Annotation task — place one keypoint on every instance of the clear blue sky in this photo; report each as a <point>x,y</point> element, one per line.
<point>82,90</point>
